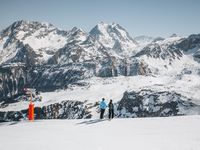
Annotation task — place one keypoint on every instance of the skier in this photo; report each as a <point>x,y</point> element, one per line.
<point>102,107</point>
<point>111,110</point>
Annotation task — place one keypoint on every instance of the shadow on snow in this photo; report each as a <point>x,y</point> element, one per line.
<point>92,121</point>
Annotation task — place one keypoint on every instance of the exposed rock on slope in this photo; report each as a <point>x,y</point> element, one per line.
<point>147,103</point>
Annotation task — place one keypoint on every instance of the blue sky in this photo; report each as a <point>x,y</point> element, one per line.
<point>138,17</point>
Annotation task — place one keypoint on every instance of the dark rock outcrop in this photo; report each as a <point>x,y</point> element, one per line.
<point>12,81</point>
<point>63,110</point>
<point>147,103</point>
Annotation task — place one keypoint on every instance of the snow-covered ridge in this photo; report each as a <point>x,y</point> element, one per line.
<point>45,39</point>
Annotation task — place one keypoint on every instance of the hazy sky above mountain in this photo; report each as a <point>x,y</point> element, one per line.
<point>138,17</point>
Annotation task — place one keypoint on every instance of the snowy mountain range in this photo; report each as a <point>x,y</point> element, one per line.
<point>106,61</point>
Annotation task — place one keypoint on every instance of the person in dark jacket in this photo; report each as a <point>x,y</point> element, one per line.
<point>102,108</point>
<point>111,110</point>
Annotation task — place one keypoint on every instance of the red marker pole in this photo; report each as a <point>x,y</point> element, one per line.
<point>31,110</point>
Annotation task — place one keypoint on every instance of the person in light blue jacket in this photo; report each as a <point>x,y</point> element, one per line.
<point>102,108</point>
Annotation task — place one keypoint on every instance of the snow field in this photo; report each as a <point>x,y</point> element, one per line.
<point>172,133</point>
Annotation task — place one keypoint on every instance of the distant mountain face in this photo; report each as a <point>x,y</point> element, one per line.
<point>34,43</point>
<point>81,47</point>
<point>114,37</point>
<point>191,45</point>
<point>43,38</point>
<point>164,49</point>
<point>49,58</point>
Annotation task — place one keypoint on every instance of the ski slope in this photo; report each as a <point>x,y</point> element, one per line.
<point>172,133</point>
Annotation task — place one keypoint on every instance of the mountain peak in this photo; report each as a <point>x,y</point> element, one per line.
<point>35,22</point>
<point>20,22</point>
<point>26,26</point>
<point>103,24</point>
<point>174,35</point>
<point>76,29</point>
<point>108,34</point>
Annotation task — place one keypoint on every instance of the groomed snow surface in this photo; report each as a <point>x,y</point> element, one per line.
<point>172,133</point>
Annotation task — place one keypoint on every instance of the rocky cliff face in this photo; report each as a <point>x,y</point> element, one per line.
<point>64,110</point>
<point>165,49</point>
<point>191,45</point>
<point>147,103</point>
<point>12,81</point>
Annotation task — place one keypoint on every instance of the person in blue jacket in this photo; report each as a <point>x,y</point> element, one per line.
<point>102,108</point>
